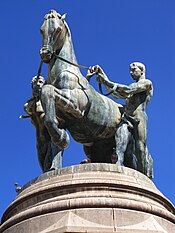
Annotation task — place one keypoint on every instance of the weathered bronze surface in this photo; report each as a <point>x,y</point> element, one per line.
<point>131,134</point>
<point>109,132</point>
<point>69,101</point>
<point>49,155</point>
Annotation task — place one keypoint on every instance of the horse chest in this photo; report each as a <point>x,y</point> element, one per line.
<point>64,82</point>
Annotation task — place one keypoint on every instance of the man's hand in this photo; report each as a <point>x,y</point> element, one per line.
<point>92,70</point>
<point>30,106</point>
<point>101,76</point>
<point>27,109</point>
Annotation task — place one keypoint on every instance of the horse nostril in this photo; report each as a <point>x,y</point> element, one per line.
<point>45,50</point>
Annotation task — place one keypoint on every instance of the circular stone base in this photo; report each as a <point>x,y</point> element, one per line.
<point>90,198</point>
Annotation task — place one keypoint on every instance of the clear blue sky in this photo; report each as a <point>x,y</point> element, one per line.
<point>111,33</point>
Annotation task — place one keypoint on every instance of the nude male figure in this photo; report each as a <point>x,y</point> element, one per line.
<point>137,96</point>
<point>49,155</point>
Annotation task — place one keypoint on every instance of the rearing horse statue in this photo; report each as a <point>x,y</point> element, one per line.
<point>69,101</point>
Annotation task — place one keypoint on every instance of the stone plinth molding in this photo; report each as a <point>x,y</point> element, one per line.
<point>90,198</point>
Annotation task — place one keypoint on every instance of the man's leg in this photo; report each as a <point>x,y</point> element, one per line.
<point>140,137</point>
<point>149,164</point>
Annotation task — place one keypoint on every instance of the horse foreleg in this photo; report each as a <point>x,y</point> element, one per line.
<point>58,136</point>
<point>56,157</point>
<point>53,159</point>
<point>130,158</point>
<point>67,101</point>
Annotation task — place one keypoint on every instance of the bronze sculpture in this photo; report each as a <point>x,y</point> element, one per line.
<point>70,103</point>
<point>49,155</point>
<point>131,134</point>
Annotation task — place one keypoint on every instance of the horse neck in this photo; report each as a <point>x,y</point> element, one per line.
<point>67,52</point>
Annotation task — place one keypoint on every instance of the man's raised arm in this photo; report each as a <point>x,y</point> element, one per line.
<point>134,88</point>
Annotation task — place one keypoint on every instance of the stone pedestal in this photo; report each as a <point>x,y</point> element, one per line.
<point>90,198</point>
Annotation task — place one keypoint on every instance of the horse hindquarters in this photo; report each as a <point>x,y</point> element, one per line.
<point>58,136</point>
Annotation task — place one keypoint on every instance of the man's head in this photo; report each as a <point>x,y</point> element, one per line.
<point>37,84</point>
<point>137,70</point>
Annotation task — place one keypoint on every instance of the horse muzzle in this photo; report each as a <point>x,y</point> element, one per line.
<point>46,54</point>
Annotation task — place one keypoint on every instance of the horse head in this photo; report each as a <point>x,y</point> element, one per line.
<point>54,30</point>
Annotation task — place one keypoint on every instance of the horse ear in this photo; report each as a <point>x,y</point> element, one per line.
<point>63,16</point>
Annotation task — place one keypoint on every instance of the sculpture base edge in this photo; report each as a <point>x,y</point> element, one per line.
<point>90,198</point>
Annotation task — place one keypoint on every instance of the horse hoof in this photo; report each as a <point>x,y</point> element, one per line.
<point>49,170</point>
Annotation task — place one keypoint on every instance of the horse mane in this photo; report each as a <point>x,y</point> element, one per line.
<point>54,14</point>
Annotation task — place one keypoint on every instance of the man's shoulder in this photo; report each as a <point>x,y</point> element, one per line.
<point>146,82</point>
